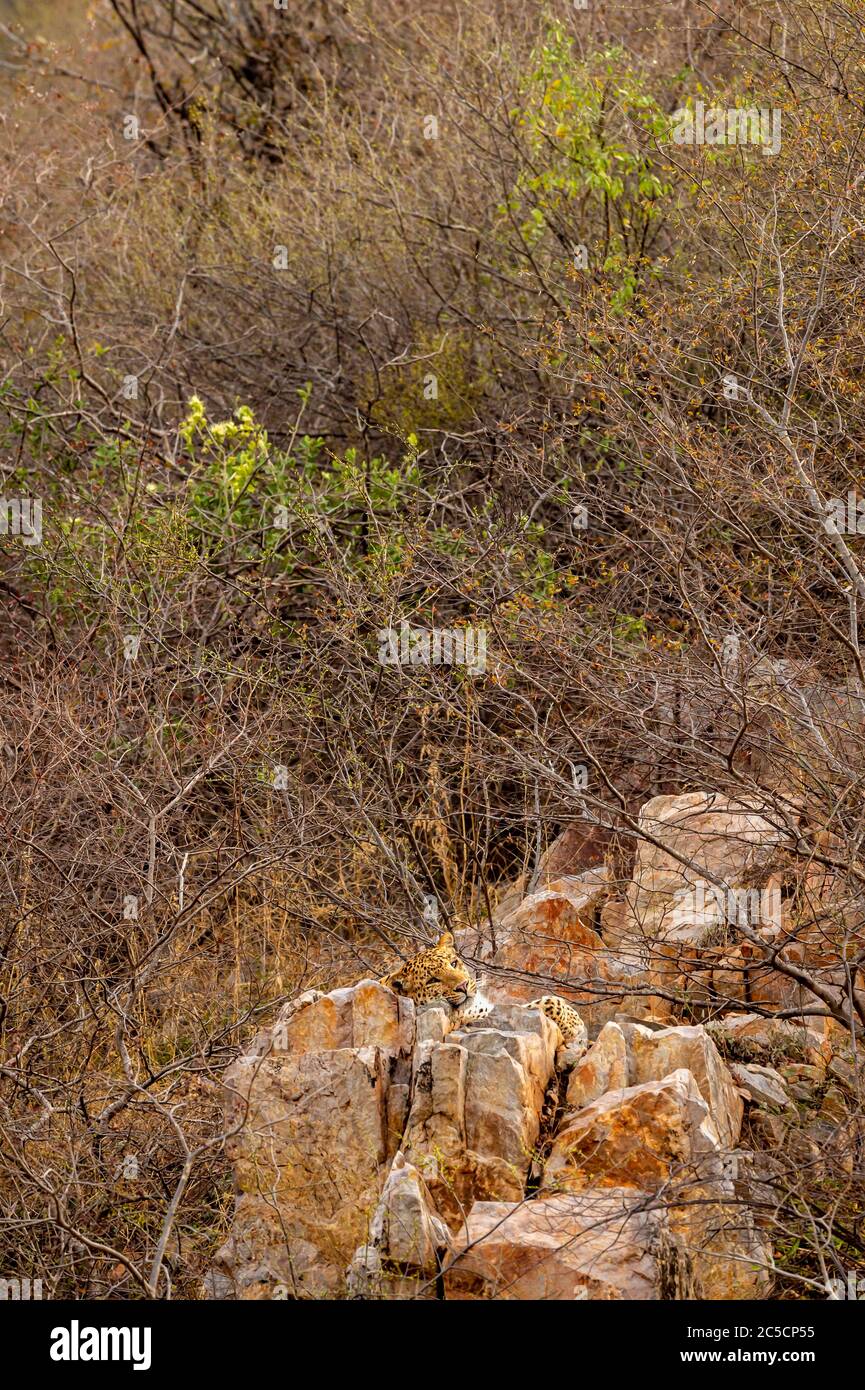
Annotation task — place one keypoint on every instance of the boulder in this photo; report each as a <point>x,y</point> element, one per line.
<point>565,909</point>
<point>659,1137</point>
<point>701,837</point>
<point>760,1085</point>
<point>475,1117</point>
<point>406,1241</point>
<point>628,1054</point>
<point>641,1137</point>
<point>378,1151</point>
<point>314,1111</point>
<point>405,1227</point>
<point>655,1053</point>
<point>364,1015</point>
<point>599,1245</point>
<point>603,1068</point>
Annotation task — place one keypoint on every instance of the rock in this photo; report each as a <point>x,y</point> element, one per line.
<point>312,1124</point>
<point>365,1015</point>
<point>718,839</point>
<point>750,1037</point>
<point>834,1107</point>
<point>548,944</point>
<point>406,1241</point>
<point>433,1023</point>
<point>654,1054</point>
<point>654,1024</point>
<point>628,1054</point>
<point>802,1073</point>
<point>550,936</point>
<point>773,991</point>
<point>584,974</point>
<point>642,1137</point>
<point>764,1181</point>
<point>761,1085</point>
<point>405,1228</point>
<point>844,1072</point>
<point>732,1256</point>
<point>571,854</point>
<point>369,1141</point>
<point>769,1127</point>
<point>568,1055</point>
<point>600,1245</point>
<point>474,1121</point>
<point>848,1142</point>
<point>565,909</point>
<point>365,1276</point>
<point>603,1068</point>
<point>659,1136</point>
<point>616,923</point>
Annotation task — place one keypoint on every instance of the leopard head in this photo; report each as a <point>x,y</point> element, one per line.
<point>436,973</point>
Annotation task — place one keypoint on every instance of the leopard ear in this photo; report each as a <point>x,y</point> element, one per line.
<point>446,939</point>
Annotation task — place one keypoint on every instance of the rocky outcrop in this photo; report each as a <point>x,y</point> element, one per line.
<point>384,1152</point>
<point>641,1137</point>
<point>314,1112</point>
<point>475,1117</point>
<point>661,1136</point>
<point>654,1054</point>
<point>627,1054</point>
<point>437,1161</point>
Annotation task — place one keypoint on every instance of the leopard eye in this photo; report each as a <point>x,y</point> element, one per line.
<point>454,963</point>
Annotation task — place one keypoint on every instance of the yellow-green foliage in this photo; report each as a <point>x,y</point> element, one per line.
<point>437,388</point>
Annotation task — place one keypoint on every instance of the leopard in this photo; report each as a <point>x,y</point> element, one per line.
<point>438,974</point>
<point>571,1027</point>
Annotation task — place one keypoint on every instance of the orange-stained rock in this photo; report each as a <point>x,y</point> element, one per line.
<point>364,1015</point>
<point>654,1054</point>
<point>600,1245</point>
<point>615,919</point>
<point>659,1137</point>
<point>314,1111</point>
<point>549,945</point>
<point>308,1138</point>
<point>368,1138</point>
<point>474,1123</point>
<point>627,1054</point>
<point>603,1068</point>
<point>639,1137</point>
<point>564,910</point>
